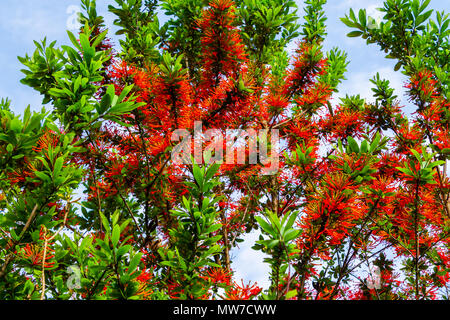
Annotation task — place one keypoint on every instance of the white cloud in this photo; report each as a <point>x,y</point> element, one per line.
<point>248,264</point>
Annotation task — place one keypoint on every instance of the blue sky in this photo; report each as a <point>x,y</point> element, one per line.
<point>23,21</point>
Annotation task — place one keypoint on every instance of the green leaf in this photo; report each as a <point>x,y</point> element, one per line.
<point>436,163</point>
<point>74,40</point>
<point>272,243</point>
<point>58,166</point>
<point>291,294</point>
<point>420,19</point>
<point>291,220</point>
<point>424,5</point>
<point>123,250</point>
<point>353,145</point>
<point>198,176</point>
<point>134,263</point>
<point>106,101</point>
<point>417,155</point>
<point>265,226</point>
<point>115,235</point>
<point>105,223</point>
<point>213,228</point>
<point>99,38</point>
<point>354,34</point>
<point>124,107</point>
<point>125,92</point>
<point>404,170</point>
<point>349,23</point>
<point>42,176</point>
<point>211,171</point>
<point>362,17</point>
<point>291,234</point>
<point>375,142</point>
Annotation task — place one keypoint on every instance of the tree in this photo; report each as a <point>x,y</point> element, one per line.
<point>93,204</point>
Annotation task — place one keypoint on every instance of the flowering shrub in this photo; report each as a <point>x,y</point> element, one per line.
<point>90,185</point>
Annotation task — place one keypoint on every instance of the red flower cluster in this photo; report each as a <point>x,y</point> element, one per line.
<point>241,292</point>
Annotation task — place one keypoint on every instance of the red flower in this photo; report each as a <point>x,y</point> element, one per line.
<point>34,254</point>
<point>242,292</point>
<point>222,48</point>
<point>219,276</point>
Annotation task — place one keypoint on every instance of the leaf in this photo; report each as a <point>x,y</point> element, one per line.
<point>417,155</point>
<point>420,19</point>
<point>74,40</point>
<point>291,235</point>
<point>398,65</point>
<point>271,244</point>
<point>84,41</point>
<point>424,5</point>
<point>125,92</point>
<point>198,176</point>
<point>99,38</point>
<point>106,101</point>
<point>58,166</point>
<point>354,34</point>
<point>274,220</point>
<point>42,176</point>
<point>291,294</point>
<point>375,142</point>
<point>405,171</point>
<point>436,163</point>
<point>364,146</point>
<point>353,145</point>
<point>349,23</point>
<point>124,107</point>
<point>213,228</point>
<point>52,126</point>
<point>123,250</point>
<point>134,263</point>
<point>86,242</point>
<point>105,223</point>
<point>88,51</point>
<point>115,235</point>
<point>362,17</point>
<point>15,125</point>
<point>211,171</point>
<point>291,220</point>
<point>265,226</point>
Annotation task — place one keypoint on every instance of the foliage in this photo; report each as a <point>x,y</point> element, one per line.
<point>92,206</point>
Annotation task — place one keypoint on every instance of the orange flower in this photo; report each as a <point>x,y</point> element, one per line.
<point>143,285</point>
<point>34,254</point>
<point>219,275</point>
<point>243,292</point>
<point>45,141</point>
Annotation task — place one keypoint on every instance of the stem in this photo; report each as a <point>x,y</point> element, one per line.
<point>91,292</point>
<point>416,239</point>
<point>43,268</point>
